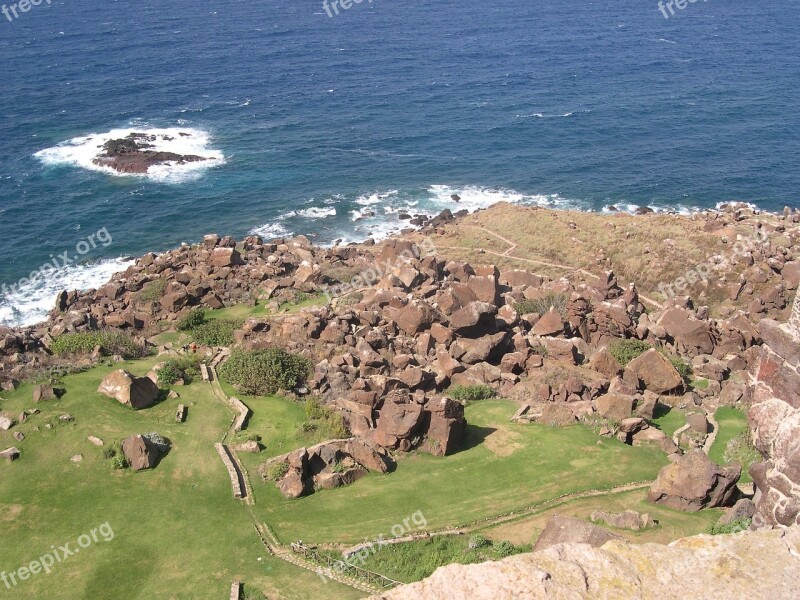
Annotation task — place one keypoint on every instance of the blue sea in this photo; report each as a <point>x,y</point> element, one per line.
<point>331,125</point>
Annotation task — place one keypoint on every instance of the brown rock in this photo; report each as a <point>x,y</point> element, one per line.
<point>693,482</point>
<point>43,392</point>
<point>655,372</point>
<point>140,452</point>
<point>614,406</point>
<point>561,530</point>
<point>136,392</point>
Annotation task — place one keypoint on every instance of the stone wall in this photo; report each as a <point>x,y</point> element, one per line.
<point>775,423</point>
<point>232,471</point>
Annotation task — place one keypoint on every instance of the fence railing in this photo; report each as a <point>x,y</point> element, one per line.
<point>341,566</point>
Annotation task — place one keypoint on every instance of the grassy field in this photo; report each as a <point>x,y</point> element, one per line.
<point>731,444</point>
<point>673,524</point>
<point>177,531</point>
<point>575,239</point>
<point>505,466</point>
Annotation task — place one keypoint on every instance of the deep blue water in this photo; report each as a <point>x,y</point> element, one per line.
<point>577,104</point>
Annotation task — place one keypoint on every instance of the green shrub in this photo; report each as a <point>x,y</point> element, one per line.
<point>110,342</point>
<point>277,470</point>
<point>734,527</point>
<point>471,393</point>
<point>186,367</point>
<point>504,549</point>
<point>478,541</point>
<point>153,291</point>
<point>216,332</point>
<point>323,419</point>
<point>264,372</point>
<point>109,452</point>
<point>682,367</point>
<point>540,306</point>
<point>192,320</point>
<point>626,350</point>
<point>119,462</point>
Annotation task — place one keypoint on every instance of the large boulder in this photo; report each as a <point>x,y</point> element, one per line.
<point>614,406</point>
<point>446,426</point>
<point>474,319</point>
<point>693,482</point>
<point>655,372</point>
<point>416,317</point>
<point>136,392</point>
<point>140,452</point>
<point>10,454</point>
<point>560,530</point>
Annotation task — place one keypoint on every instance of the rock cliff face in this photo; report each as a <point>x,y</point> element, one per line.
<point>751,564</point>
<point>775,423</point>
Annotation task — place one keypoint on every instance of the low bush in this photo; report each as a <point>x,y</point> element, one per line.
<point>733,527</point>
<point>216,332</point>
<point>277,470</point>
<point>324,420</point>
<point>264,372</point>
<point>626,350</point>
<point>471,393</point>
<point>186,367</point>
<point>110,342</point>
<point>153,291</point>
<point>540,306</point>
<point>192,320</point>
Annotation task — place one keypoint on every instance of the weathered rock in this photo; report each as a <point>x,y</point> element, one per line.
<point>560,530</point>
<point>628,519</point>
<point>693,482</point>
<point>550,324</point>
<point>140,452</point>
<point>43,392</point>
<point>10,454</point>
<point>6,423</point>
<point>476,318</point>
<point>136,392</point>
<point>655,372</point>
<point>743,509</point>
<point>761,564</point>
<point>604,362</point>
<point>557,414</point>
<point>614,406</point>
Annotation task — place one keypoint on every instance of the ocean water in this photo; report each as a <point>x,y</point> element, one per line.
<point>332,126</point>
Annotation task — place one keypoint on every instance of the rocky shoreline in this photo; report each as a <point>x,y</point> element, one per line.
<point>408,324</point>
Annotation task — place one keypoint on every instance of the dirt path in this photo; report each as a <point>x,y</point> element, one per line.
<point>513,246</point>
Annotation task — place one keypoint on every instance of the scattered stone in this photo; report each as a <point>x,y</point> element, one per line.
<point>76,458</point>
<point>10,454</point>
<point>95,440</point>
<point>43,392</point>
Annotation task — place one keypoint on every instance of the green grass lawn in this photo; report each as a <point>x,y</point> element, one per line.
<point>505,466</point>
<point>177,531</point>
<point>669,420</point>
<point>731,443</point>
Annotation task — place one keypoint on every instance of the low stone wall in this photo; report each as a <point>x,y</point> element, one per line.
<point>243,412</point>
<point>236,590</point>
<point>233,472</point>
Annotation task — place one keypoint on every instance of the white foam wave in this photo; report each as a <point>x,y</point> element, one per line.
<point>81,152</point>
<point>473,198</point>
<point>270,231</point>
<point>31,302</point>
<point>375,198</point>
<point>315,212</point>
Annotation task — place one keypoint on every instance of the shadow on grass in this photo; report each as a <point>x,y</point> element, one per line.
<point>475,436</point>
<point>661,410</point>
